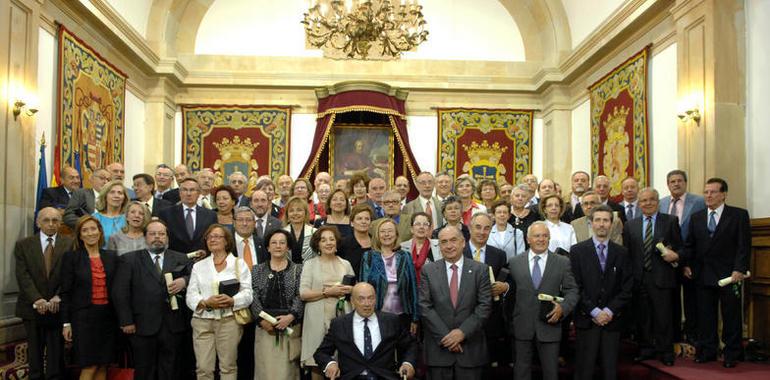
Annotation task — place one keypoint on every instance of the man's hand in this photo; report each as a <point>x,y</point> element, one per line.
<point>670,256</point>
<point>41,306</point>
<point>267,326</point>
<point>737,276</point>
<point>66,332</point>
<point>603,318</point>
<point>687,272</point>
<point>407,370</point>
<point>555,315</point>
<point>332,371</point>
<point>413,328</point>
<point>454,338</point>
<point>498,288</point>
<point>176,286</point>
<point>53,304</point>
<point>129,329</point>
<point>284,321</point>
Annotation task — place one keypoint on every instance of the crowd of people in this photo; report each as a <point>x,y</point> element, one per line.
<point>289,279</point>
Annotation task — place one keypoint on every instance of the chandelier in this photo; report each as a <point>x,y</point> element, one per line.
<point>364,29</point>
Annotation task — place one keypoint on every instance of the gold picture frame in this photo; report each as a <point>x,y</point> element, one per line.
<point>365,148</point>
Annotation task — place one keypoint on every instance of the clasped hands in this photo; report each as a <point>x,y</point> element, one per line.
<point>220,301</point>
<point>452,340</point>
<point>283,322</point>
<point>51,306</point>
<point>337,290</point>
<point>603,318</point>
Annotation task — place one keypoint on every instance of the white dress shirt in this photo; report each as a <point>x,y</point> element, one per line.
<point>44,241</point>
<point>482,253</point>
<point>562,236</point>
<point>358,331</point>
<point>239,240</point>
<point>459,264</point>
<point>633,208</point>
<point>160,259</point>
<point>541,263</point>
<point>204,283</point>
<point>434,215</point>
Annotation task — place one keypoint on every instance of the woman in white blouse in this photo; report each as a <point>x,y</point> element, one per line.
<point>562,234</point>
<point>503,235</point>
<point>215,332</point>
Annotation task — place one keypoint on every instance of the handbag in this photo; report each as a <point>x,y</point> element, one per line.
<point>242,316</point>
<point>122,372</point>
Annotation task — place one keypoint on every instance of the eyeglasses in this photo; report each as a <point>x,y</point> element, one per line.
<point>421,224</point>
<point>213,236</point>
<point>390,202</point>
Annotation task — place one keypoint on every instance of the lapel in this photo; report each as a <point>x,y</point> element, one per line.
<point>657,234</point>
<point>548,269</point>
<point>724,220</point>
<point>444,279</point>
<point>612,255</point>
<point>149,266</point>
<point>199,222</point>
<point>347,335</point>
<point>59,249</point>
<point>689,201</point>
<point>465,278</point>
<point>35,253</point>
<point>178,216</point>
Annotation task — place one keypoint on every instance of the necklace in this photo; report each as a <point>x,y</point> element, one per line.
<point>220,262</point>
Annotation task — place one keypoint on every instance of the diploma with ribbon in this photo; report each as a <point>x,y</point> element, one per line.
<point>270,319</point>
<point>171,297</point>
<point>729,280</point>
<point>548,297</point>
<point>663,249</point>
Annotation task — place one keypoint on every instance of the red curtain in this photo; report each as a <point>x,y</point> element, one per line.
<point>361,101</point>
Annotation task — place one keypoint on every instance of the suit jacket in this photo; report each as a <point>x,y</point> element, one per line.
<point>611,288</point>
<point>30,272</point>
<point>415,206</point>
<point>665,230</point>
<point>76,280</point>
<point>557,280</point>
<point>692,203</point>
<point>157,205</point>
<point>56,197</point>
<point>351,360</point>
<point>582,232</point>
<point>404,227</point>
<point>81,203</point>
<point>140,295</point>
<point>439,317</point>
<point>637,209</point>
<point>244,201</point>
<point>621,212</point>
<point>496,259</point>
<point>714,258</point>
<point>272,224</point>
<point>172,196</point>
<point>178,239</point>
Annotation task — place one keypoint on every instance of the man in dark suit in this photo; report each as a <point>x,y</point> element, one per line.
<point>59,196</point>
<point>266,184</point>
<point>144,187</point>
<point>426,202</point>
<point>187,221</point>
<point>239,183</point>
<point>717,247</point>
<point>164,179</point>
<point>603,274</point>
<point>455,302</point>
<point>143,302</point>
<point>366,342</point>
<point>602,188</point>
<point>38,267</point>
<point>82,200</point>
<point>682,204</point>
<point>264,223</point>
<point>377,189</point>
<point>630,204</point>
<point>654,276</point>
<point>245,248</point>
<point>539,271</point>
<point>478,250</point>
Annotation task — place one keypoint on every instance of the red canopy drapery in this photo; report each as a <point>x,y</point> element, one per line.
<point>330,105</point>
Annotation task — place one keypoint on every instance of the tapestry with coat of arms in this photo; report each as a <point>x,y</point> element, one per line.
<point>253,140</point>
<point>485,143</point>
<point>91,109</point>
<point>619,131</point>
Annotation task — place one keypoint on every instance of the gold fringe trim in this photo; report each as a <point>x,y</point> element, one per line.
<point>407,161</point>
<point>385,111</point>
<point>323,143</point>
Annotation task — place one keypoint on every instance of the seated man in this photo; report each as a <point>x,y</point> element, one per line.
<point>357,338</point>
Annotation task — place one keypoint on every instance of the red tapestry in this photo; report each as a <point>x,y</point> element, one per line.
<point>619,131</point>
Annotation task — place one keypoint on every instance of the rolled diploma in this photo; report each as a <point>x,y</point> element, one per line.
<point>547,297</point>
<point>729,280</point>
<point>492,281</point>
<point>171,298</point>
<point>662,249</point>
<point>194,254</point>
<point>270,319</point>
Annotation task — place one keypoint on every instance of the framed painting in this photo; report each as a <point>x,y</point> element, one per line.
<point>361,148</point>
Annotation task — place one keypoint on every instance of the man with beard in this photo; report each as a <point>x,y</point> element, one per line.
<point>145,304</point>
<point>580,181</point>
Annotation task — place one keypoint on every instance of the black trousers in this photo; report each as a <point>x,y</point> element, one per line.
<point>653,316</point>
<point>45,345</point>
<point>709,300</point>
<point>455,372</point>
<point>687,300</point>
<point>548,352</point>
<point>245,359</point>
<point>157,356</point>
<point>592,342</point>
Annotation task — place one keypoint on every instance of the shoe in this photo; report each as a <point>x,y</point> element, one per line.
<point>642,358</point>
<point>703,359</point>
<point>728,364</point>
<point>667,361</point>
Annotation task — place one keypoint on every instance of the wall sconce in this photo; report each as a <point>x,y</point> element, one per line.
<point>18,107</point>
<point>691,114</point>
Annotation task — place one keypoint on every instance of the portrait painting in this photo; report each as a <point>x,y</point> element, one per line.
<point>361,148</point>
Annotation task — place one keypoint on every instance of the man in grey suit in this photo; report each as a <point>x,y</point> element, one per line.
<point>426,201</point>
<point>539,271</point>
<point>455,302</point>
<point>82,200</point>
<point>582,225</point>
<point>683,205</point>
<point>264,223</point>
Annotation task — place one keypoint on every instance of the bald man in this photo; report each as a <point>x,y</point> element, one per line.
<point>601,187</point>
<point>377,338</point>
<point>59,196</point>
<point>82,200</point>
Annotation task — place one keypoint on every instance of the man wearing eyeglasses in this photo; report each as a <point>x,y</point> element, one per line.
<point>82,200</point>
<point>187,221</point>
<point>391,206</point>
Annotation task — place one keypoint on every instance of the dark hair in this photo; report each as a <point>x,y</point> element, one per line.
<point>722,183</point>
<point>78,243</point>
<point>147,179</point>
<point>676,172</point>
<point>362,207</point>
<point>156,220</point>
<point>328,203</point>
<point>416,214</point>
<point>581,172</point>
<point>226,188</point>
<point>164,166</point>
<point>356,178</point>
<point>316,238</point>
<point>290,241</point>
<point>229,241</point>
<point>263,182</point>
<point>601,208</point>
<point>449,200</point>
<point>541,205</point>
<point>488,182</point>
<point>498,203</point>
<point>307,182</point>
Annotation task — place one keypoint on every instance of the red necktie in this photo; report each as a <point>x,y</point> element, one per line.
<point>453,285</point>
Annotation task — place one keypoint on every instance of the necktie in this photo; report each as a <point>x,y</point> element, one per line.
<point>712,226</point>
<point>673,210</point>
<point>602,256</point>
<point>148,206</point>
<point>629,211</point>
<point>647,256</point>
<point>453,285</point>
<point>247,253</point>
<point>48,256</point>
<point>477,255</point>
<point>537,275</point>
<point>428,209</point>
<point>205,202</point>
<point>368,350</point>
<point>189,224</point>
<point>259,228</point>
<point>157,264</point>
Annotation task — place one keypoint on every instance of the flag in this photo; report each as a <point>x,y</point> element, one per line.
<point>42,177</point>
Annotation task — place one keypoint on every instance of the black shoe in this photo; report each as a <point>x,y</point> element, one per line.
<point>667,361</point>
<point>642,358</point>
<point>703,359</point>
<point>728,364</point>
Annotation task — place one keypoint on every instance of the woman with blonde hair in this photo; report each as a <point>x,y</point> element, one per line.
<point>110,208</point>
<point>465,188</point>
<point>296,219</point>
<point>131,236</point>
